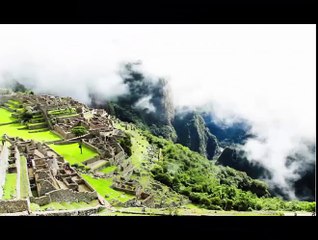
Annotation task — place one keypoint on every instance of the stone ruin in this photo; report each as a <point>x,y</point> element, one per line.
<point>107,147</point>
<point>143,198</point>
<point>51,179</point>
<point>64,126</point>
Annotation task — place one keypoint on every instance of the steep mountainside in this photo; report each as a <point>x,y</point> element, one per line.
<point>148,102</point>
<point>149,105</point>
<point>236,159</point>
<point>192,132</point>
<point>304,186</point>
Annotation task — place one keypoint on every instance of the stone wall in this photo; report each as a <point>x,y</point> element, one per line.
<point>91,147</point>
<point>91,160</point>
<point>4,152</point>
<point>60,131</point>
<point>68,195</point>
<point>11,206</point>
<point>118,158</point>
<point>40,200</point>
<point>78,212</point>
<point>149,201</point>
<point>64,195</point>
<point>4,99</point>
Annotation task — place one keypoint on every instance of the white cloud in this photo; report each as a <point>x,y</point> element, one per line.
<point>144,103</point>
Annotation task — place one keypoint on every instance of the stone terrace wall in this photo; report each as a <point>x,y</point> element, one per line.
<point>65,135</point>
<point>40,200</point>
<point>64,195</point>
<point>11,206</point>
<point>68,195</point>
<point>4,99</point>
<point>91,160</point>
<point>78,212</point>
<point>91,147</point>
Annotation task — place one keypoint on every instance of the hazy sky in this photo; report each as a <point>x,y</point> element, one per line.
<point>264,73</point>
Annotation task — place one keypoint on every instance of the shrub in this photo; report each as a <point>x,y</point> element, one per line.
<point>79,131</point>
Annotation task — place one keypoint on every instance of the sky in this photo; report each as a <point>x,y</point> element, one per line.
<point>265,74</point>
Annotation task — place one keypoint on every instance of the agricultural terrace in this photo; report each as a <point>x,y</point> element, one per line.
<point>14,130</point>
<point>24,179</point>
<point>102,186</point>
<point>5,116</point>
<point>9,190</point>
<point>72,154</point>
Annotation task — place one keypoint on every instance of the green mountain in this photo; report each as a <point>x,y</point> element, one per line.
<point>192,132</point>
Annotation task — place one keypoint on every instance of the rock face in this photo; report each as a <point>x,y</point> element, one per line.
<point>236,159</point>
<point>192,132</point>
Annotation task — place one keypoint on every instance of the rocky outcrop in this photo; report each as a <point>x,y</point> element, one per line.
<point>236,159</point>
<point>192,132</point>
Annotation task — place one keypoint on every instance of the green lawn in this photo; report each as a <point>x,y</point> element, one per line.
<point>24,180</point>
<point>13,131</point>
<point>109,169</point>
<point>5,116</point>
<point>64,205</point>
<point>102,186</point>
<point>72,154</point>
<point>14,101</point>
<point>9,190</point>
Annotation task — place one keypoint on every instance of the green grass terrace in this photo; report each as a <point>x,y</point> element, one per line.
<point>9,190</point>
<point>102,186</point>
<point>16,129</point>
<point>5,116</point>
<point>72,153</point>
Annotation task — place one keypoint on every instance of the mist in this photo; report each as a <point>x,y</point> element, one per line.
<point>264,74</point>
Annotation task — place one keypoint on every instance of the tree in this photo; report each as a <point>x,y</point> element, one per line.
<point>26,116</point>
<point>79,131</point>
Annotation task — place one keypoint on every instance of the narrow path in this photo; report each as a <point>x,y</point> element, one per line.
<point>4,155</point>
<point>18,165</point>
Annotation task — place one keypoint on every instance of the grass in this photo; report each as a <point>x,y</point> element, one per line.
<point>14,101</point>
<point>5,116</point>
<point>108,169</point>
<point>9,190</point>
<point>193,211</point>
<point>72,154</point>
<point>24,180</point>
<point>138,148</point>
<point>63,206</point>
<point>62,112</point>
<point>110,213</point>
<point>36,124</point>
<point>67,115</point>
<point>102,186</point>
<point>13,131</point>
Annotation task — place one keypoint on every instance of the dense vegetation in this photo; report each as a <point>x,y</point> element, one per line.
<point>213,186</point>
<point>79,131</point>
<point>126,144</point>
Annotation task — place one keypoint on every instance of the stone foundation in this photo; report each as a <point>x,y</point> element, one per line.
<point>12,206</point>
